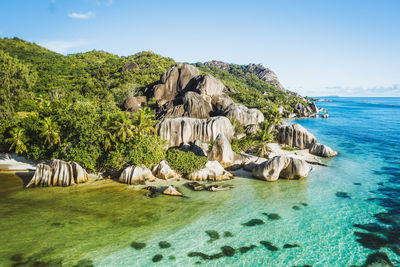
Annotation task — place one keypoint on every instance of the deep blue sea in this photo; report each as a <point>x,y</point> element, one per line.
<point>338,216</point>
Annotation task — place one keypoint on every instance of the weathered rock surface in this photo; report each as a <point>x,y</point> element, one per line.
<point>302,111</point>
<point>59,173</point>
<point>222,152</point>
<point>197,186</point>
<point>172,191</point>
<point>281,167</point>
<point>217,64</point>
<point>184,130</point>
<point>167,89</point>
<point>196,106</point>
<point>221,102</point>
<point>187,75</point>
<point>135,175</point>
<point>164,171</point>
<point>135,102</point>
<point>129,67</point>
<point>209,85</point>
<point>244,115</point>
<point>295,136</point>
<point>322,150</point>
<point>213,171</point>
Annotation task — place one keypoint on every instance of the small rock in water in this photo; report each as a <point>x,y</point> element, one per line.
<point>253,222</point>
<point>357,183</point>
<point>272,216</point>
<point>269,245</point>
<point>164,244</point>
<point>228,251</point>
<point>290,246</point>
<point>157,258</point>
<point>17,257</point>
<point>342,194</point>
<point>214,235</point>
<point>197,186</point>
<point>138,245</point>
<point>57,224</point>
<point>198,254</point>
<point>378,259</point>
<point>296,207</point>
<point>84,263</point>
<point>246,249</point>
<point>153,191</point>
<point>228,234</point>
<point>172,191</point>
<point>216,188</point>
<point>172,257</point>
<point>304,204</point>
<point>380,183</point>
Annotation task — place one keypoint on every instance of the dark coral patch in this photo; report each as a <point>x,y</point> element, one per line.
<point>198,254</point>
<point>272,216</point>
<point>253,222</point>
<point>378,259</point>
<point>17,257</point>
<point>84,263</point>
<point>304,204</point>
<point>138,245</point>
<point>371,241</point>
<point>357,183</point>
<point>291,246</point>
<point>164,244</point>
<point>228,251</point>
<point>228,234</point>
<point>214,235</point>
<point>245,249</point>
<point>157,258</point>
<point>296,207</point>
<point>172,257</point>
<point>269,245</point>
<point>342,195</point>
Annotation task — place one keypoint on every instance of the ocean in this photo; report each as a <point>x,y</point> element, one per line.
<point>341,215</point>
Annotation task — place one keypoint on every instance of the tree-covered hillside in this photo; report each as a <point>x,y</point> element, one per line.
<point>71,107</point>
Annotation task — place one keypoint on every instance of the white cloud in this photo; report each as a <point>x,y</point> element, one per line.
<point>86,15</point>
<point>63,47</point>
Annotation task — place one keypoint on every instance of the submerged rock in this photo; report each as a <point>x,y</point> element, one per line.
<point>135,175</point>
<point>253,222</point>
<point>172,191</point>
<point>185,130</point>
<point>197,186</point>
<point>58,173</point>
<point>216,188</point>
<point>322,150</point>
<point>213,171</point>
<point>164,171</point>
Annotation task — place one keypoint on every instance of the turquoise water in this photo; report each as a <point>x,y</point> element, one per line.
<point>336,217</point>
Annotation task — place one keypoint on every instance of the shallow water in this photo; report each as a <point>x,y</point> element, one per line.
<point>336,217</point>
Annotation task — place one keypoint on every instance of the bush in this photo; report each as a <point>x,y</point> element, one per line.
<point>185,162</point>
<point>240,145</point>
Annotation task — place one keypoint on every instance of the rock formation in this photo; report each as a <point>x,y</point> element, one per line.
<point>135,175</point>
<point>184,130</point>
<point>187,75</point>
<point>172,191</point>
<point>167,89</point>
<point>164,171</point>
<point>281,167</point>
<point>244,115</point>
<point>322,150</point>
<point>213,171</point>
<point>196,105</point>
<point>135,102</point>
<point>58,173</point>
<point>264,74</point>
<point>222,152</point>
<point>209,85</point>
<point>295,136</point>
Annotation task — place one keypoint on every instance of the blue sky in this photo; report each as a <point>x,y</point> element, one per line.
<point>337,47</point>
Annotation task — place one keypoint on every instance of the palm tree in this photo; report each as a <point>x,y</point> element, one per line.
<point>266,136</point>
<point>17,140</point>
<point>50,131</point>
<point>144,122</point>
<point>124,127</point>
<point>109,139</point>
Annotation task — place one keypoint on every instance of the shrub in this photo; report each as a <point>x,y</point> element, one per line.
<point>240,145</point>
<point>185,162</point>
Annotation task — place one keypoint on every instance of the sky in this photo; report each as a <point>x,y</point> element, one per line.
<point>316,47</point>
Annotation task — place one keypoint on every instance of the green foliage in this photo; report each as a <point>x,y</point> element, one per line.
<point>288,148</point>
<point>243,144</point>
<point>17,140</point>
<point>185,162</point>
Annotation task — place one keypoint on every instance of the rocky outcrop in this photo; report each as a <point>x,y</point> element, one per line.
<point>164,171</point>
<point>244,115</point>
<point>222,152</point>
<point>168,88</point>
<point>187,76</point>
<point>209,85</point>
<point>217,64</point>
<point>196,105</point>
<point>135,102</point>
<point>221,103</point>
<point>136,175</point>
<point>172,191</point>
<point>322,150</point>
<point>185,130</point>
<point>264,74</point>
<point>129,67</point>
<point>58,173</point>
<point>281,167</point>
<point>295,136</point>
<point>213,171</point>
<point>302,111</point>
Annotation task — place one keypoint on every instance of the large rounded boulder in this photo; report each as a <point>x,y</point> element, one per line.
<point>281,167</point>
<point>295,136</point>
